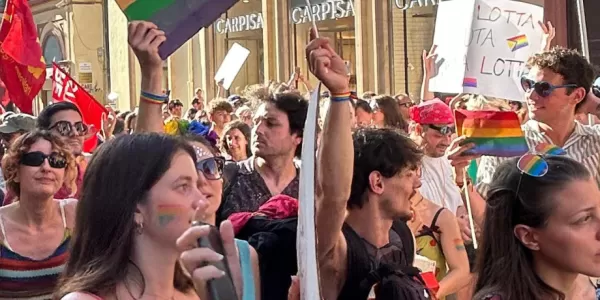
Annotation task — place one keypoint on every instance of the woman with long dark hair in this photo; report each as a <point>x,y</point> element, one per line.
<point>541,230</point>
<point>386,113</point>
<point>137,206</point>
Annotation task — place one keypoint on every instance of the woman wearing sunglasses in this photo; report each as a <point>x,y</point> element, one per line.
<point>35,231</point>
<point>541,230</point>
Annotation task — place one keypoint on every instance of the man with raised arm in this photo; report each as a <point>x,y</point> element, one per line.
<point>364,183</point>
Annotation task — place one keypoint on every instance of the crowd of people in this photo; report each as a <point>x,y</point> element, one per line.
<point>396,189</point>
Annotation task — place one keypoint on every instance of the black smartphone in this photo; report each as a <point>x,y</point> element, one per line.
<point>220,288</point>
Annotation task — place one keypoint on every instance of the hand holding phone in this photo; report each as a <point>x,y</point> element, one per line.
<point>210,257</point>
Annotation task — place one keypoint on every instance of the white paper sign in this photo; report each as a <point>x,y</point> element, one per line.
<point>232,64</point>
<point>306,238</point>
<point>483,46</point>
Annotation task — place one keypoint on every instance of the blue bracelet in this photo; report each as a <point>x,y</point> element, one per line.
<point>340,97</point>
<point>163,98</point>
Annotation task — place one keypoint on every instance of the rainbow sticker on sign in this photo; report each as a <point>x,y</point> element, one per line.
<point>494,133</point>
<point>517,42</point>
<point>179,19</point>
<point>470,82</point>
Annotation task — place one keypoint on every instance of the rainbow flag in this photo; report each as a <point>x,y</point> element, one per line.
<point>470,82</point>
<point>179,19</point>
<point>494,133</point>
<point>517,42</point>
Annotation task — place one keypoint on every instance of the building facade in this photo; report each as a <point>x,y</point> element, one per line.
<point>71,34</point>
<point>381,40</point>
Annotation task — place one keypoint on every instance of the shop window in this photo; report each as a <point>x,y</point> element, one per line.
<point>335,21</point>
<point>52,51</point>
<point>242,24</point>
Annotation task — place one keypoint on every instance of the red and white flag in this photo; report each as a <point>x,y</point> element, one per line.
<point>65,88</point>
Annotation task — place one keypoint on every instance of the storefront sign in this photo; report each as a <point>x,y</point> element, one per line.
<point>406,4</point>
<point>239,23</point>
<point>330,10</point>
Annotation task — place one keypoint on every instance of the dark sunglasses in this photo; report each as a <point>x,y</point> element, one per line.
<point>542,88</point>
<point>64,128</point>
<point>445,130</point>
<point>212,167</point>
<point>596,91</point>
<point>37,158</point>
<point>406,104</point>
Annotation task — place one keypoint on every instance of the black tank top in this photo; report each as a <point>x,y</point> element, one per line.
<point>363,258</point>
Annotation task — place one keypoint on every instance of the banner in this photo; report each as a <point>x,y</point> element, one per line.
<point>483,46</point>
<point>179,19</point>
<point>65,88</point>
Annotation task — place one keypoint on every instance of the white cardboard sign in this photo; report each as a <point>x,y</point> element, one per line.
<point>483,46</point>
<point>232,64</point>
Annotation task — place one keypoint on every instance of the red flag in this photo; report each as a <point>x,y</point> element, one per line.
<point>22,66</point>
<point>5,99</point>
<point>65,88</point>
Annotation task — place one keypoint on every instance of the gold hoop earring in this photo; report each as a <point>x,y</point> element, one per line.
<point>139,228</point>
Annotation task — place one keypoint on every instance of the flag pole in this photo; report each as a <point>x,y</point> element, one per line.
<point>583,29</point>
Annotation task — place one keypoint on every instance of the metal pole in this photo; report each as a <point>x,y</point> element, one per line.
<point>583,29</point>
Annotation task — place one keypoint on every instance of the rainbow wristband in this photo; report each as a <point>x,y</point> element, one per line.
<point>152,101</point>
<point>159,98</point>
<point>340,97</point>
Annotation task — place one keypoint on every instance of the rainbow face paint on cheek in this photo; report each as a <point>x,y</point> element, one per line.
<point>168,213</point>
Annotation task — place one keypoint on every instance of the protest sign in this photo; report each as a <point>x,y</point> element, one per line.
<point>179,19</point>
<point>232,64</point>
<point>483,46</point>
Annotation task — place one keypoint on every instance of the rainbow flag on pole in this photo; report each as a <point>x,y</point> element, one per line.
<point>179,19</point>
<point>494,133</point>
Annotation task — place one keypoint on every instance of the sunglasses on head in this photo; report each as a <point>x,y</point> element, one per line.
<point>37,158</point>
<point>542,88</point>
<point>64,128</point>
<point>211,167</point>
<point>445,129</point>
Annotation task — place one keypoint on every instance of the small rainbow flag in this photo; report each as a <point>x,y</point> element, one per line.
<point>517,42</point>
<point>179,19</point>
<point>470,82</point>
<point>494,133</point>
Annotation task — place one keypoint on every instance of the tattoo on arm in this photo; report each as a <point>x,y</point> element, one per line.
<point>459,245</point>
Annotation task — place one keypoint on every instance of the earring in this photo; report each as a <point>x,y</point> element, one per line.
<point>139,227</point>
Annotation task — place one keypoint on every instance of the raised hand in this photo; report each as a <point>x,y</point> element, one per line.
<point>429,61</point>
<point>145,38</point>
<point>327,65</point>
<point>548,36</point>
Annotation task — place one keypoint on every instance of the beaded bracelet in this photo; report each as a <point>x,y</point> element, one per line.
<point>340,97</point>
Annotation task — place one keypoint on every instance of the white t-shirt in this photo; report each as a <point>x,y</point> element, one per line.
<point>438,184</point>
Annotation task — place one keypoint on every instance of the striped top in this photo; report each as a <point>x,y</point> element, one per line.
<point>25,278</point>
<point>583,146</point>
